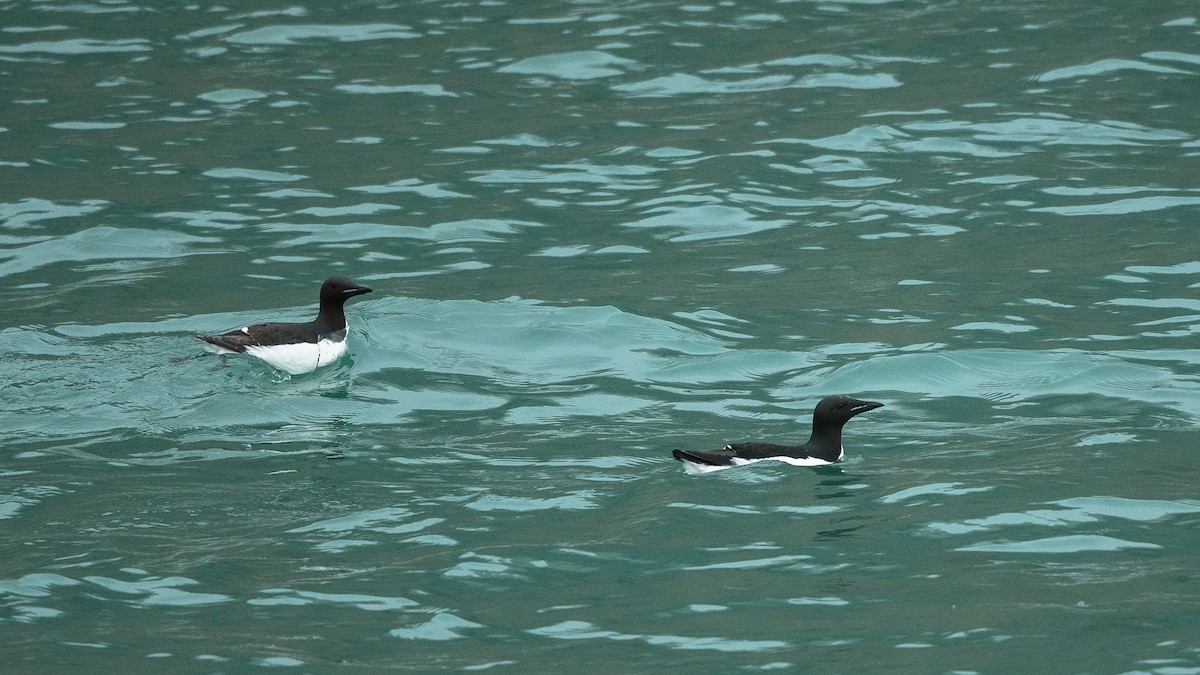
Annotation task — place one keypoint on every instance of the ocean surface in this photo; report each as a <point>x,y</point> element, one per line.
<point>598,231</point>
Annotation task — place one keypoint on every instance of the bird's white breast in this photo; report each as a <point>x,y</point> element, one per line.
<point>693,468</point>
<point>300,357</point>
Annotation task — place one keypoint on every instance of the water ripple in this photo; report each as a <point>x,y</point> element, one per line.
<point>582,65</point>
<point>1121,206</point>
<point>1077,510</point>
<point>442,626</point>
<point>156,591</point>
<point>78,46</point>
<point>1072,543</point>
<point>582,630</point>
<point>292,34</point>
<point>1105,66</point>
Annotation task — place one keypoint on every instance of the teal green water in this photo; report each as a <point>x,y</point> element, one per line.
<point>598,231</point>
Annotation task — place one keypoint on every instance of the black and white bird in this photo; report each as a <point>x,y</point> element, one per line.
<point>823,447</point>
<point>296,348</point>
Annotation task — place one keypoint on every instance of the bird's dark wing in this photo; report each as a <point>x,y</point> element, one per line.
<point>713,458</point>
<point>765,450</point>
<point>264,334</point>
<point>726,456</point>
<point>234,341</point>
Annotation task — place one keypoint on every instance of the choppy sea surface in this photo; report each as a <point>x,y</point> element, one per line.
<point>598,231</point>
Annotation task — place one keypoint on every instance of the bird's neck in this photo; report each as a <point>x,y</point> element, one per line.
<point>331,318</point>
<point>826,443</point>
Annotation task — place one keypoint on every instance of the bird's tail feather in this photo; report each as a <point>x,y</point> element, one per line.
<point>694,457</point>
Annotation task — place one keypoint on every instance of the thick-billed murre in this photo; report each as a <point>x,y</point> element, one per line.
<point>296,348</point>
<point>823,447</point>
